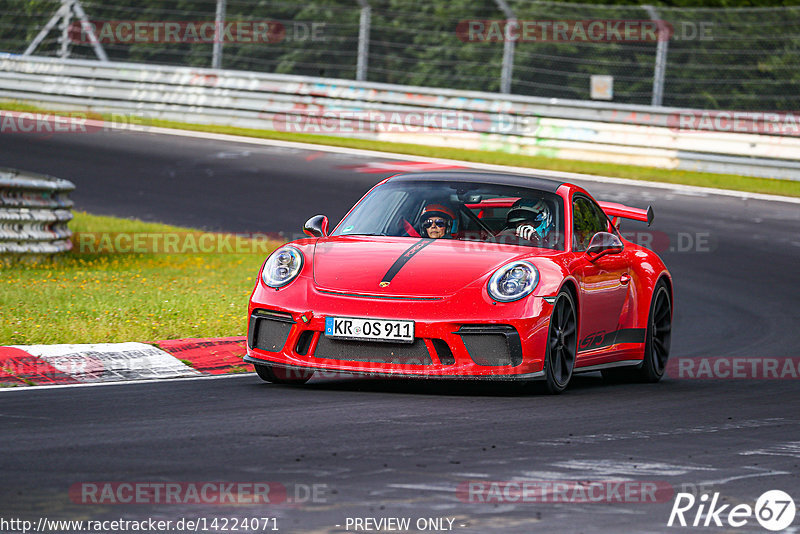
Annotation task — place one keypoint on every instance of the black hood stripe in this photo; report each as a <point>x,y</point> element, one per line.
<point>404,257</point>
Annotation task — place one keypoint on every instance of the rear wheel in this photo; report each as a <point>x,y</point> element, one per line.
<point>657,342</point>
<point>562,344</point>
<point>282,375</point>
<point>659,336</point>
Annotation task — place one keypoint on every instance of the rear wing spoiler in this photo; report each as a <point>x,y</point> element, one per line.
<point>615,211</point>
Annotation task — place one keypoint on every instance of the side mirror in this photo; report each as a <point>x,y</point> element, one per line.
<point>603,243</point>
<point>316,226</point>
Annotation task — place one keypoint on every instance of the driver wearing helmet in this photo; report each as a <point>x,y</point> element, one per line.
<point>436,221</point>
<point>529,219</point>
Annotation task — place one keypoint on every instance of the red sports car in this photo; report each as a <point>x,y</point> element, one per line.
<point>465,275</point>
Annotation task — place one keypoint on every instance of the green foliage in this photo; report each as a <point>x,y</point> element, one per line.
<point>83,297</point>
<point>724,54</point>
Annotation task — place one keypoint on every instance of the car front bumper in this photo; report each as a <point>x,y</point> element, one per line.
<point>460,336</point>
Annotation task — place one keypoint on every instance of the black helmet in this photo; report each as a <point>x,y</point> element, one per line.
<point>534,212</point>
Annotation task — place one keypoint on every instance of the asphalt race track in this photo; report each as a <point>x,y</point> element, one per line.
<point>381,449</point>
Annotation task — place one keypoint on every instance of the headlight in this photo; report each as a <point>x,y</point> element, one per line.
<point>282,267</point>
<point>513,281</point>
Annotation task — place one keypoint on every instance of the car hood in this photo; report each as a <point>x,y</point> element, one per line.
<point>412,267</point>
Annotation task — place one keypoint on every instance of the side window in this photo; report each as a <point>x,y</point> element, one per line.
<point>587,220</point>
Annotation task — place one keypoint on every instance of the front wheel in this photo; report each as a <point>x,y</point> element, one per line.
<point>281,375</point>
<point>562,344</point>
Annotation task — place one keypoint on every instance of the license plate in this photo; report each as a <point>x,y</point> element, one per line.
<point>369,329</point>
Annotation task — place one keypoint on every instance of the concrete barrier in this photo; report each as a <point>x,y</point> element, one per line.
<point>749,144</point>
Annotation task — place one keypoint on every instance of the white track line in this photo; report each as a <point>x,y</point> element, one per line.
<point>481,166</point>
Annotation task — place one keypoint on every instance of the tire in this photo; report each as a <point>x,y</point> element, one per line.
<point>656,345</point>
<point>562,344</point>
<point>281,375</point>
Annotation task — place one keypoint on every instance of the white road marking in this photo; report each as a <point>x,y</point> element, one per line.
<point>629,468</point>
<point>650,434</point>
<point>765,473</point>
<point>128,382</point>
<point>556,475</point>
<point>790,449</point>
<point>684,189</point>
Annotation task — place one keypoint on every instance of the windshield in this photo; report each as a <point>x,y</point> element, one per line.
<point>466,211</point>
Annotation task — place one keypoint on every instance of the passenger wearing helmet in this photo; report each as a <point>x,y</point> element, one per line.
<point>436,221</point>
<point>530,220</point>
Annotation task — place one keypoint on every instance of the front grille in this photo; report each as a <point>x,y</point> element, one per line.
<point>492,345</point>
<point>443,351</point>
<point>415,353</point>
<point>304,342</point>
<point>268,331</point>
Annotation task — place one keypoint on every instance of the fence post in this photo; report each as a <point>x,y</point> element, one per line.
<point>364,22</point>
<point>661,57</point>
<point>86,26</point>
<point>66,21</point>
<point>216,58</point>
<point>64,14</point>
<point>507,71</point>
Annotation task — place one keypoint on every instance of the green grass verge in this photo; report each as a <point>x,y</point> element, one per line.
<point>634,172</point>
<point>93,298</point>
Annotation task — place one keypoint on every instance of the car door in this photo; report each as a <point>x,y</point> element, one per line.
<point>604,282</point>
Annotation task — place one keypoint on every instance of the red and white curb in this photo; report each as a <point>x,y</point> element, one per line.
<point>113,362</point>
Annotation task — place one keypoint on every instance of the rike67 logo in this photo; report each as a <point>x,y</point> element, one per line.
<point>774,510</point>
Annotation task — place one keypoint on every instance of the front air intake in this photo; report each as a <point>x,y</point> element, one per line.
<point>492,345</point>
<point>268,330</point>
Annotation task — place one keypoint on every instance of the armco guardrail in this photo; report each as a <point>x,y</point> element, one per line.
<point>34,212</point>
<point>592,131</point>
